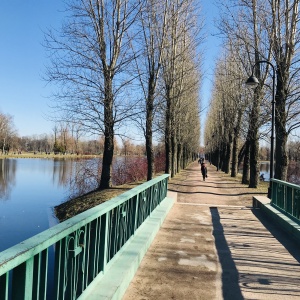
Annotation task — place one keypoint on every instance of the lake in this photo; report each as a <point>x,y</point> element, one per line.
<point>264,168</point>
<point>29,190</point>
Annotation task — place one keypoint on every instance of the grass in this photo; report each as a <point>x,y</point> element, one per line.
<point>80,204</point>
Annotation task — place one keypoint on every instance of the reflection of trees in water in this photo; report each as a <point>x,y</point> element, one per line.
<point>84,176</point>
<point>8,169</point>
<point>86,173</point>
<point>62,171</point>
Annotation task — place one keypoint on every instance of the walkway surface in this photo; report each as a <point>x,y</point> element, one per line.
<point>213,245</point>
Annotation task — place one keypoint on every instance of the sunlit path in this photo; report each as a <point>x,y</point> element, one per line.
<point>213,245</point>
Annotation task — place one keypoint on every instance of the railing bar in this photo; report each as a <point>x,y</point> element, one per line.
<point>114,227</point>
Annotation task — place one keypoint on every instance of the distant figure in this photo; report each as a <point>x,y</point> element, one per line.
<point>262,177</point>
<point>203,171</point>
<point>201,160</point>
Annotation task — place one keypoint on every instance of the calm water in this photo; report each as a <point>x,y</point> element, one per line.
<point>29,189</point>
<point>264,169</point>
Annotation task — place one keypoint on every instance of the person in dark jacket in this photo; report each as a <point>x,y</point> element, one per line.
<point>203,171</point>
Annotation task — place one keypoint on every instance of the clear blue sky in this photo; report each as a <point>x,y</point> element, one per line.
<point>22,59</point>
<point>23,93</point>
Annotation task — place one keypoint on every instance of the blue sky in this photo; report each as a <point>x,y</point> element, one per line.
<point>23,93</point>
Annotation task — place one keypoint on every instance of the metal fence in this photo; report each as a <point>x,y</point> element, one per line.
<point>286,197</point>
<point>62,261</point>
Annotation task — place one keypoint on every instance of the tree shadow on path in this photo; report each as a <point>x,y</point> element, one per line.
<point>230,275</point>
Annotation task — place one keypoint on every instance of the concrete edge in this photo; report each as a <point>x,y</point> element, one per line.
<point>113,284</point>
<point>287,224</point>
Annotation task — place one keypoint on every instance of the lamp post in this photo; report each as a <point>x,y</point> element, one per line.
<point>253,82</point>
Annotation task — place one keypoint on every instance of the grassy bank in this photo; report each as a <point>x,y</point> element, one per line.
<point>75,206</point>
<point>80,204</point>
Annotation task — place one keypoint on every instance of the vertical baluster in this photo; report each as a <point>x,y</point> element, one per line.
<point>59,269</point>
<point>87,252</point>
<point>274,192</point>
<point>22,281</point>
<point>297,204</point>
<point>4,284</point>
<point>136,210</point>
<point>93,252</point>
<point>104,240</point>
<point>132,215</point>
<point>40,275</point>
<point>80,260</point>
<point>289,200</point>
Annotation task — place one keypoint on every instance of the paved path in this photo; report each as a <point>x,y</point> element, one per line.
<point>212,245</point>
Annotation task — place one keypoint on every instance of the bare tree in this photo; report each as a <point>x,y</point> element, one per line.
<point>241,24</point>
<point>284,36</point>
<point>153,30</point>
<point>7,132</point>
<point>88,60</point>
<point>181,40</point>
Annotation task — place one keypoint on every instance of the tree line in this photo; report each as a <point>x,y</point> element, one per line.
<point>63,141</point>
<point>130,67</point>
<point>256,35</point>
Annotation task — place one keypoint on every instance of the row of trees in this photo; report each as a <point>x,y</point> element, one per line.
<point>63,141</point>
<point>255,31</point>
<point>120,67</point>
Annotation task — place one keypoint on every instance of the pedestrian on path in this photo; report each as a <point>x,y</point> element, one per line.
<point>203,171</point>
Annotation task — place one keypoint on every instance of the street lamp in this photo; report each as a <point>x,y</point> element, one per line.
<point>253,82</point>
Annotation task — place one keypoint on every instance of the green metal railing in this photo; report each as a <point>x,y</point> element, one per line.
<point>286,197</point>
<point>62,261</point>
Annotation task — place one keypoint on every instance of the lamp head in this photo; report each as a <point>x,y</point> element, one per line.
<point>252,82</point>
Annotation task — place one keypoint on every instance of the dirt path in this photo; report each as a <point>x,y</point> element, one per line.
<point>212,245</point>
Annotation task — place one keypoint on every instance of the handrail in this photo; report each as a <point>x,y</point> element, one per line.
<point>61,262</point>
<point>286,198</point>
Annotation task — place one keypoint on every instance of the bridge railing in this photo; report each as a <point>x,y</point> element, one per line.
<point>62,261</point>
<point>286,197</point>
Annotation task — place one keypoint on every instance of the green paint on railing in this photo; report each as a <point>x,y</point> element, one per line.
<point>62,261</point>
<point>286,198</point>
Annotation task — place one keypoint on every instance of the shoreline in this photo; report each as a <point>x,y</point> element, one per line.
<point>51,155</point>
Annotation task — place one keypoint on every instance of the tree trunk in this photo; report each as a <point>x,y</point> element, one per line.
<point>149,121</point>
<point>280,127</point>
<point>179,157</point>
<point>168,132</point>
<point>174,155</point>
<point>234,165</point>
<point>108,152</point>
<point>254,145</point>
<point>228,155</point>
<point>245,177</point>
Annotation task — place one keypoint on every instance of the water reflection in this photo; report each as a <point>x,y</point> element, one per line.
<point>264,168</point>
<point>7,177</point>
<point>31,188</point>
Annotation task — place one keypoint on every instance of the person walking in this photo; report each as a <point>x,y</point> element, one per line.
<point>203,171</point>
